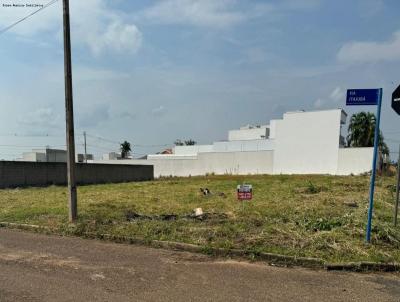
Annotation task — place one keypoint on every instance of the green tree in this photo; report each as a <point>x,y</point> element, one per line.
<point>126,149</point>
<point>361,132</point>
<point>178,142</point>
<point>190,142</point>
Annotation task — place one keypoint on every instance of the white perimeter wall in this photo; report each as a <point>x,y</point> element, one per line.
<point>350,161</point>
<point>258,162</point>
<point>355,160</point>
<point>307,143</point>
<point>248,134</point>
<point>225,146</point>
<point>219,163</point>
<point>246,145</point>
<point>192,150</point>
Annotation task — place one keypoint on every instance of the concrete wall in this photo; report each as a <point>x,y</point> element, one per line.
<point>19,174</point>
<point>33,156</point>
<point>56,156</point>
<point>355,160</point>
<point>307,142</point>
<point>192,150</point>
<point>350,161</point>
<point>248,134</point>
<point>245,145</point>
<point>241,163</point>
<point>225,146</point>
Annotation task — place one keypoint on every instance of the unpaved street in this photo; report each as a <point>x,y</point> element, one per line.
<point>48,268</point>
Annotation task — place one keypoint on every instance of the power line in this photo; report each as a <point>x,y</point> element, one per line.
<point>134,145</point>
<point>30,146</point>
<point>28,135</point>
<point>98,147</point>
<point>26,17</point>
<point>103,139</point>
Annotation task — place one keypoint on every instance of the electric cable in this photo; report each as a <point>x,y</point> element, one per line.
<point>2,31</point>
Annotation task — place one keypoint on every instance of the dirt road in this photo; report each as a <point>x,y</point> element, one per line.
<point>48,268</point>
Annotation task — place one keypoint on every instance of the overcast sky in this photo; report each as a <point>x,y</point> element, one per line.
<point>153,71</point>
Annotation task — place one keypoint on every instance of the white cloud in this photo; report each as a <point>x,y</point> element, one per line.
<point>199,13</point>
<point>300,4</point>
<point>336,96</point>
<point>93,24</point>
<point>43,117</point>
<point>319,103</point>
<point>219,13</point>
<point>254,55</point>
<point>118,37</point>
<point>45,20</point>
<point>370,8</point>
<point>92,117</point>
<point>159,111</point>
<point>371,52</point>
<point>83,73</point>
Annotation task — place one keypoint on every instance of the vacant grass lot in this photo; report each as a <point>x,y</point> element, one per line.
<point>315,216</point>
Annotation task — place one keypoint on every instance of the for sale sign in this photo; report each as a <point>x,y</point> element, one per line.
<point>245,192</point>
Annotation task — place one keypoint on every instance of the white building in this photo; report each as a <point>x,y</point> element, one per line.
<point>299,143</point>
<point>115,156</point>
<point>45,155</point>
<point>52,155</point>
<point>111,156</point>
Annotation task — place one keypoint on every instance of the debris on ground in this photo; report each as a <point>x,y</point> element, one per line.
<point>351,204</point>
<point>132,216</point>
<point>197,214</point>
<point>207,192</point>
<point>167,217</point>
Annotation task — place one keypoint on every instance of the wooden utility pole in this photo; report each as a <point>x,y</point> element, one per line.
<point>69,110</point>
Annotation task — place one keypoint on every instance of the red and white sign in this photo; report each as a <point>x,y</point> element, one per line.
<point>245,192</point>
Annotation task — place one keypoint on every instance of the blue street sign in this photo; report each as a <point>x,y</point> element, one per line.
<point>369,97</point>
<point>362,97</point>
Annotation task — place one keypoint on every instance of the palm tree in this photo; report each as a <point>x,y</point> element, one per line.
<point>125,148</point>
<point>361,132</point>
<point>178,142</point>
<point>190,142</point>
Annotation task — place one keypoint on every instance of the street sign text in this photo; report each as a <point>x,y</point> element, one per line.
<point>362,97</point>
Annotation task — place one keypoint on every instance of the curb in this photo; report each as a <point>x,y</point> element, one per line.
<point>270,258</point>
<point>363,267</point>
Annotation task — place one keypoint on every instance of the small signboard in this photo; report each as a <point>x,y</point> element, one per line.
<point>396,100</point>
<point>362,97</point>
<point>245,192</point>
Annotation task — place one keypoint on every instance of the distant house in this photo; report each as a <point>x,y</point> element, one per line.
<point>49,155</point>
<point>166,151</point>
<point>45,155</point>
<point>112,156</point>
